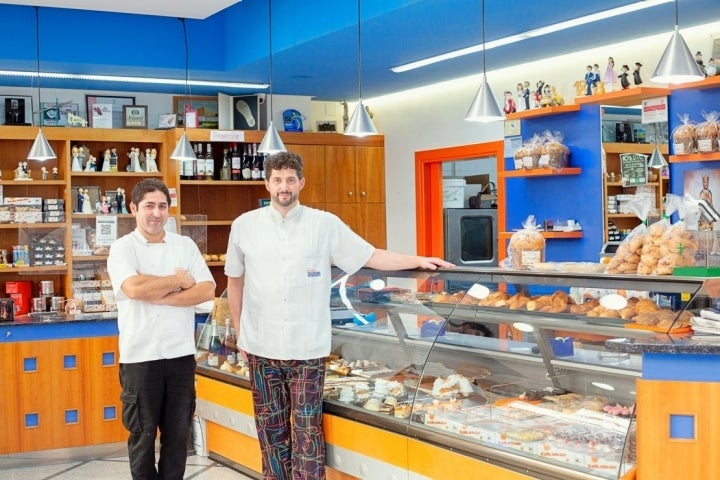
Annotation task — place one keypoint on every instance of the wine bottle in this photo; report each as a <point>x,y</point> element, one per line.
<point>209,163</point>
<point>247,163</point>
<point>236,164</point>
<point>228,346</point>
<point>199,163</point>
<point>225,169</point>
<point>256,163</point>
<point>215,345</point>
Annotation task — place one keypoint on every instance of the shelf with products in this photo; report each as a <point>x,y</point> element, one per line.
<point>548,235</point>
<point>540,172</point>
<point>542,112</point>
<point>624,98</point>
<point>695,157</point>
<point>461,384</point>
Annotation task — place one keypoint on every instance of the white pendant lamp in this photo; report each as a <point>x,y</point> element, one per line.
<point>183,151</point>
<point>484,107</point>
<point>360,123</point>
<point>677,64</point>
<point>271,142</point>
<point>41,149</point>
<point>657,160</point>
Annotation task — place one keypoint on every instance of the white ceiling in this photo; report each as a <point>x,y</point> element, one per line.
<point>198,9</point>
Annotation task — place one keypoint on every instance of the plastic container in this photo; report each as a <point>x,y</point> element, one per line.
<point>453,192</point>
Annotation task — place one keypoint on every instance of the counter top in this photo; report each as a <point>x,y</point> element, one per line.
<point>53,326</point>
<point>674,344</point>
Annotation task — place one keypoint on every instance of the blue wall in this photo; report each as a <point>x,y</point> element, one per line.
<point>563,197</point>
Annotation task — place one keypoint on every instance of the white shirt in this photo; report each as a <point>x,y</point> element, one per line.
<point>148,331</point>
<point>286,262</point>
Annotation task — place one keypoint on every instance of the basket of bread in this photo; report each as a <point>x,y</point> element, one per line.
<point>553,153</point>
<point>706,133</point>
<point>684,136</point>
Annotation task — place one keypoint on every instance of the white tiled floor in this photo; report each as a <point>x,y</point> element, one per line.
<point>103,462</point>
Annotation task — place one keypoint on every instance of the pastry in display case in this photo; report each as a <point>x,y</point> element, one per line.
<point>510,367</point>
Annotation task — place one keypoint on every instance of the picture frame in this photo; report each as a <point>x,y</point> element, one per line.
<point>116,102</point>
<point>326,126</point>
<point>23,113</point>
<point>134,116</point>
<point>167,120</point>
<point>55,114</point>
<point>206,107</point>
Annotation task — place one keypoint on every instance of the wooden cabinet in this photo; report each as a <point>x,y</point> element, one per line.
<point>613,184</point>
<point>355,189</point>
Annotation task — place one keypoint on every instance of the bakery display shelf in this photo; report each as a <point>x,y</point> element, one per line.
<point>624,98</point>
<point>708,82</point>
<point>647,148</point>
<point>225,183</point>
<point>31,226</point>
<point>543,112</point>
<point>540,172</point>
<point>549,235</point>
<point>115,174</point>
<point>695,157</point>
<point>215,264</point>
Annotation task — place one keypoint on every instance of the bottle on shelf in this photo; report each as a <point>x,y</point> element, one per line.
<point>235,163</point>
<point>229,343</point>
<point>214,346</point>
<point>225,169</point>
<point>209,163</point>
<point>187,170</point>
<point>199,163</point>
<point>247,163</point>
<point>256,163</point>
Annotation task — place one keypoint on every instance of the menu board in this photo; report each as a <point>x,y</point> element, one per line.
<point>633,169</point>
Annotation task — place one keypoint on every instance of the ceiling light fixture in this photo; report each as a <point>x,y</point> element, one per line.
<point>271,142</point>
<point>484,108</point>
<point>657,160</point>
<point>677,64</point>
<point>360,123</point>
<point>41,149</point>
<point>555,27</point>
<point>183,150</point>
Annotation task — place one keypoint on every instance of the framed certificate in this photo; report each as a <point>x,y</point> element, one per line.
<point>134,116</point>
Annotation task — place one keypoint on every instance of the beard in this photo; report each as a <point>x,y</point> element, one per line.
<point>289,199</point>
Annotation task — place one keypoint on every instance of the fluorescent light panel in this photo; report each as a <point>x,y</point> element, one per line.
<point>146,80</point>
<point>556,27</point>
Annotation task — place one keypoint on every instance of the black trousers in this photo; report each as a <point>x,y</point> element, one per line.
<point>159,394</point>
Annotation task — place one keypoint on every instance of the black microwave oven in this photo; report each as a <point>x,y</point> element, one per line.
<point>471,236</point>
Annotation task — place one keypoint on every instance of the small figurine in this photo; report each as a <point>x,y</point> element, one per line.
<point>91,164</point>
<point>589,80</point>
<point>121,200</point>
<point>87,208</point>
<point>106,161</point>
<point>624,82</point>
<point>25,168</point>
<point>150,162</point>
<point>113,159</point>
<point>550,97</point>
<point>80,200</point>
<point>98,206</point>
<point>55,173</point>
<point>596,75</point>
<point>699,60</point>
<point>509,106</point>
<point>76,164</point>
<point>81,156</point>
<point>44,173</point>
<point>610,75</point>
<point>712,68</point>
<point>19,172</point>
<point>105,205</point>
<point>537,95</point>
<point>134,165</point>
<point>636,74</point>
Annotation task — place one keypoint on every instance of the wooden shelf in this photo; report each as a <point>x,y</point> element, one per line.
<point>540,172</point>
<point>622,215</point>
<point>695,157</point>
<point>620,184</point>
<point>32,183</point>
<point>206,223</point>
<point>646,148</point>
<point>215,183</point>
<point>89,258</point>
<point>116,174</point>
<point>33,270</point>
<point>624,98</point>
<point>550,235</point>
<point>542,112</point>
<point>709,82</point>
<point>214,264</point>
<point>20,226</point>
<point>93,215</point>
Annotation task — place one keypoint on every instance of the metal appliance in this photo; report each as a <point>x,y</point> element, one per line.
<point>471,236</point>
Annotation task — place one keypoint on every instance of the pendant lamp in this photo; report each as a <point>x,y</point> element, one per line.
<point>41,149</point>
<point>657,160</point>
<point>183,150</point>
<point>677,64</point>
<point>271,142</point>
<point>360,123</point>
<point>484,108</point>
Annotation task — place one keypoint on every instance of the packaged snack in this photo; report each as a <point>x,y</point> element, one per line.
<point>684,137</point>
<point>706,133</point>
<point>527,246</point>
<point>627,256</point>
<point>553,153</point>
<point>655,237</point>
<point>533,149</point>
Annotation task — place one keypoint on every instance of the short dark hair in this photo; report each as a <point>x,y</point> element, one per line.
<point>147,185</point>
<point>281,160</point>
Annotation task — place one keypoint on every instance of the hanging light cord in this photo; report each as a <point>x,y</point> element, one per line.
<point>359,53</point>
<point>271,59</point>
<point>37,46</point>
<point>483,38</point>
<point>187,71</point>
<point>677,18</point>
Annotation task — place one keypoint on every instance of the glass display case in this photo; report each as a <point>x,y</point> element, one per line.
<point>510,367</point>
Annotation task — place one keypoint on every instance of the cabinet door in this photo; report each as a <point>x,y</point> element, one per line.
<point>340,185</point>
<point>103,420</point>
<point>346,212</point>
<point>371,223</point>
<point>314,172</point>
<point>370,175</point>
<point>9,433</point>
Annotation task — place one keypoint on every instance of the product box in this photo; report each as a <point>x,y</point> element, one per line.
<point>28,217</point>
<point>34,201</point>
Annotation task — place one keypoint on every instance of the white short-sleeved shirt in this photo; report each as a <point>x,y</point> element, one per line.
<point>286,262</point>
<point>147,331</point>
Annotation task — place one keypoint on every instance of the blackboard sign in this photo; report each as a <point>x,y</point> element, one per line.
<point>633,169</point>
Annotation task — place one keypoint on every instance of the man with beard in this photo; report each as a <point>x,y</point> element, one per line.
<point>278,267</point>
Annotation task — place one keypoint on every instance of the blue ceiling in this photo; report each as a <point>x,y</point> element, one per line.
<point>315,42</point>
